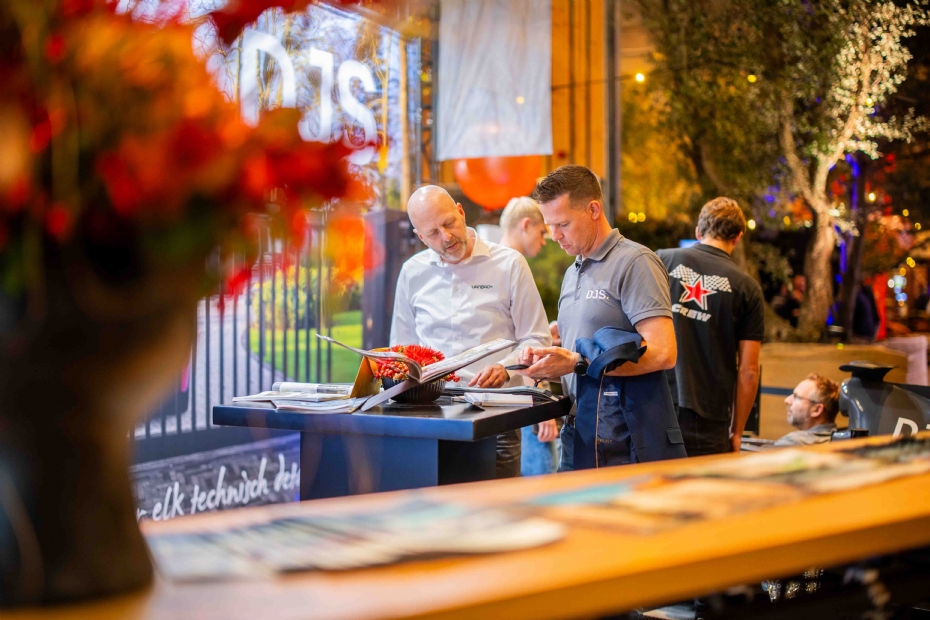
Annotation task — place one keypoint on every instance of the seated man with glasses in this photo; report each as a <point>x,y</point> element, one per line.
<point>812,409</point>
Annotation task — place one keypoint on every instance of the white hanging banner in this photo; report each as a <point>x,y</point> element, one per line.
<point>495,76</point>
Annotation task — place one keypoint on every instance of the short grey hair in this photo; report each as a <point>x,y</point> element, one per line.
<point>519,208</point>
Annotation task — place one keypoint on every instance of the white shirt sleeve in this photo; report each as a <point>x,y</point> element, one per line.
<point>403,321</point>
<point>530,325</point>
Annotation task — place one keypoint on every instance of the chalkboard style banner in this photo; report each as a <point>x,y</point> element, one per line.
<point>264,472</point>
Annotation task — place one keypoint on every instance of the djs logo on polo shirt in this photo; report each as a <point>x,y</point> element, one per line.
<point>482,287</point>
<point>597,294</point>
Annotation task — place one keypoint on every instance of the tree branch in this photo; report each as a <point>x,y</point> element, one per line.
<point>800,177</point>
<point>849,127</point>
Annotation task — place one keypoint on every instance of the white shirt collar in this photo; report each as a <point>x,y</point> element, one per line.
<point>479,249</point>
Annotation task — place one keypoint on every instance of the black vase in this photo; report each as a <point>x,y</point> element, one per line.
<point>74,381</point>
<point>423,393</point>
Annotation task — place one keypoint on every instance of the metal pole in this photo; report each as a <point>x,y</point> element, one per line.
<point>612,106</point>
<point>261,310</point>
<point>284,308</point>
<point>418,115</point>
<point>207,359</point>
<point>296,374</point>
<point>235,334</point>
<point>248,333</point>
<point>274,306</point>
<point>308,261</point>
<point>222,334</point>
<point>434,94</point>
<point>319,303</point>
<point>194,371</point>
<point>587,83</point>
<point>571,81</point>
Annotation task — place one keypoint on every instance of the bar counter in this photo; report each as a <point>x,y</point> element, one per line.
<point>591,572</point>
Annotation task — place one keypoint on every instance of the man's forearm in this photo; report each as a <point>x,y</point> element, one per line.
<point>747,384</point>
<point>661,348</point>
<point>651,361</point>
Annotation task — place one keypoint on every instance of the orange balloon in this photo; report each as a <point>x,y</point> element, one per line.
<point>492,181</point>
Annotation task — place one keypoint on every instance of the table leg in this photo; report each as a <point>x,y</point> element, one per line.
<point>467,461</point>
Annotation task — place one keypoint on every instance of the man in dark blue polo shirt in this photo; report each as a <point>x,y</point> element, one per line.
<point>718,314</point>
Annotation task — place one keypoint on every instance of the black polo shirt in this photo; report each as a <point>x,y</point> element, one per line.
<point>715,305</point>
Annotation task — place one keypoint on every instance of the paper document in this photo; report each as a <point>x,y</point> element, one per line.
<point>342,405</point>
<point>272,396</point>
<point>535,392</point>
<point>488,399</point>
<point>313,388</point>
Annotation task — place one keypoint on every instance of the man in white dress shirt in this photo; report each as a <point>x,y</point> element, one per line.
<point>462,292</point>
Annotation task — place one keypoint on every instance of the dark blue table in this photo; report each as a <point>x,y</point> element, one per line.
<point>392,446</point>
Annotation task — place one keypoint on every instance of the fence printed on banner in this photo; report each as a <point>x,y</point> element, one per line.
<point>245,343</point>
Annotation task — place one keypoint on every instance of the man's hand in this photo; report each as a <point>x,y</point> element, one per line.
<point>548,431</point>
<point>493,376</point>
<point>548,362</point>
<point>554,332</point>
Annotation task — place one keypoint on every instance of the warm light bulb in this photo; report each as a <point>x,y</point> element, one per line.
<point>640,77</point>
<point>641,217</point>
<point>917,225</point>
<point>871,196</point>
<point>752,78</point>
<point>869,101</point>
<point>751,224</point>
<point>905,212</point>
<point>632,217</point>
<point>786,220</point>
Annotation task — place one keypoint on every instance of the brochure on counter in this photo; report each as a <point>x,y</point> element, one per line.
<point>342,405</point>
<point>642,505</point>
<point>488,399</point>
<point>313,392</point>
<point>521,390</point>
<point>351,540</point>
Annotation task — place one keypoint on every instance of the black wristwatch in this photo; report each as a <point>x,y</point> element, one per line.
<point>581,366</point>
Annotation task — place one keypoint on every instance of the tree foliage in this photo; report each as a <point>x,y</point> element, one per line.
<point>776,93</point>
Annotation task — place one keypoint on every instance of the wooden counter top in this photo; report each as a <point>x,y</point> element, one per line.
<point>592,571</point>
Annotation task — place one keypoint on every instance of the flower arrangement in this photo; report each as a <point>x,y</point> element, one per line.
<point>397,371</point>
<point>118,152</point>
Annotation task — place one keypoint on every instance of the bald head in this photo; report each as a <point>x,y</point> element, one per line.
<point>439,222</point>
<point>429,199</point>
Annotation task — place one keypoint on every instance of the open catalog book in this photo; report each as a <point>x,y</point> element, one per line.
<point>425,374</point>
<point>416,374</point>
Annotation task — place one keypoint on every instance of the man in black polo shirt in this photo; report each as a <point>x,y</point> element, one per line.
<point>718,314</point>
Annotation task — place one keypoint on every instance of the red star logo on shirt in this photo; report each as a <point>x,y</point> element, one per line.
<point>696,292</point>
